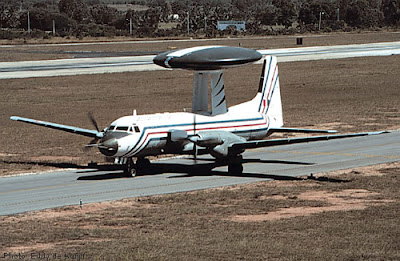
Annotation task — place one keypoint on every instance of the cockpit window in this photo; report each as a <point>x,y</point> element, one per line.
<point>136,128</point>
<point>111,128</point>
<point>122,128</point>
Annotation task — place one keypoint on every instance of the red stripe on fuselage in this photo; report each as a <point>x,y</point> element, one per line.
<point>270,89</point>
<point>201,129</point>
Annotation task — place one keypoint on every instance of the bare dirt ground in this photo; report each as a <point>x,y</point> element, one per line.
<point>32,51</point>
<point>346,215</point>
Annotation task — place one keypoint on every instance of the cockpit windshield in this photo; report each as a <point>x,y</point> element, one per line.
<point>122,128</point>
<point>133,128</point>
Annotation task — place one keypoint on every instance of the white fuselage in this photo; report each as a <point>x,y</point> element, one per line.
<point>148,134</point>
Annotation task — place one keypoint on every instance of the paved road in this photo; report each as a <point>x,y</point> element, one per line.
<point>68,187</point>
<point>27,69</point>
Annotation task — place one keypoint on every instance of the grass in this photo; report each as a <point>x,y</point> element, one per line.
<point>220,224</point>
<point>199,226</point>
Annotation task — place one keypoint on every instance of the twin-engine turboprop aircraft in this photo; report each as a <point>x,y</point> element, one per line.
<point>223,132</point>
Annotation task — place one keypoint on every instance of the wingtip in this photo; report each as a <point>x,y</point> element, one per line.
<point>378,132</point>
<point>332,131</point>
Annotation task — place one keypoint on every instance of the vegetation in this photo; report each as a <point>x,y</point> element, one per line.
<point>353,216</point>
<point>82,18</point>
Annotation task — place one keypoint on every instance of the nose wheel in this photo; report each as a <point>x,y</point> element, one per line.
<point>130,168</point>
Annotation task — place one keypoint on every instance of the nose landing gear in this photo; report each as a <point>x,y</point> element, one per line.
<point>130,168</point>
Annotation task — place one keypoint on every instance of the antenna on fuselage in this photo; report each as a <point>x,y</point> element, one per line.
<point>194,143</point>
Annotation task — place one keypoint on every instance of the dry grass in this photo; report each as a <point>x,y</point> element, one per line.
<point>356,219</point>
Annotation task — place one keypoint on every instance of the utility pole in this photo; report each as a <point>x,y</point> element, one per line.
<point>188,27</point>
<point>130,26</point>
<point>54,27</point>
<point>337,12</point>
<point>319,23</point>
<point>205,23</point>
<point>29,24</point>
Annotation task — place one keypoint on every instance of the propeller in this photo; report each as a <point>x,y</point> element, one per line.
<point>94,123</point>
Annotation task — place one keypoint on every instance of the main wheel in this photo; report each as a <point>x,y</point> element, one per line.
<point>235,169</point>
<point>143,163</point>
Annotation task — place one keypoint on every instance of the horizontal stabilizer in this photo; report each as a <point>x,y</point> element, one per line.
<point>66,128</point>
<point>301,130</point>
<point>276,142</point>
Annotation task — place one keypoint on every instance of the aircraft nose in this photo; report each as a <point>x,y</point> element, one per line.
<point>109,147</point>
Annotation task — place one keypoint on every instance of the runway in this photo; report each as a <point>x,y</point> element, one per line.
<point>35,192</point>
<point>63,67</point>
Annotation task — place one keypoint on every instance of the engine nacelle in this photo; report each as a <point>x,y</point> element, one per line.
<point>220,151</point>
<point>218,142</point>
<point>208,139</point>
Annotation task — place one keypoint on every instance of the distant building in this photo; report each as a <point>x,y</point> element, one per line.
<point>240,25</point>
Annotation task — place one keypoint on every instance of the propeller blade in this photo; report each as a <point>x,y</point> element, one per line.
<point>90,144</point>
<point>93,142</point>
<point>93,120</point>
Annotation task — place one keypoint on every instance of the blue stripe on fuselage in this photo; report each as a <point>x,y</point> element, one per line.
<point>133,151</point>
<point>265,83</point>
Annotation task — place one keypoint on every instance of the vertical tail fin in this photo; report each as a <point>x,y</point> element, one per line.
<point>269,94</point>
<point>218,104</point>
<point>200,92</point>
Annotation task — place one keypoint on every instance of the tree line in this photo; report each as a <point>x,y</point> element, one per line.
<point>82,18</point>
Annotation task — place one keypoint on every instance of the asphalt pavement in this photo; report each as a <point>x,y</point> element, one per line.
<point>68,187</point>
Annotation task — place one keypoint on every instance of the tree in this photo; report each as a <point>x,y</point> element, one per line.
<point>361,14</point>
<point>76,9</point>
<point>391,11</point>
<point>267,16</point>
<point>9,17</point>
<point>286,12</point>
<point>39,19</point>
<point>103,14</point>
<point>310,11</point>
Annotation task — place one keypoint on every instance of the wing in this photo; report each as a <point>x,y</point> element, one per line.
<point>71,129</point>
<point>238,147</point>
<point>301,130</point>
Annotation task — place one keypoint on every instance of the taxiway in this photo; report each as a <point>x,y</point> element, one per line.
<point>68,187</point>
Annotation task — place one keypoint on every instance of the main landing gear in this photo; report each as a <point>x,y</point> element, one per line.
<point>235,166</point>
<point>132,169</point>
